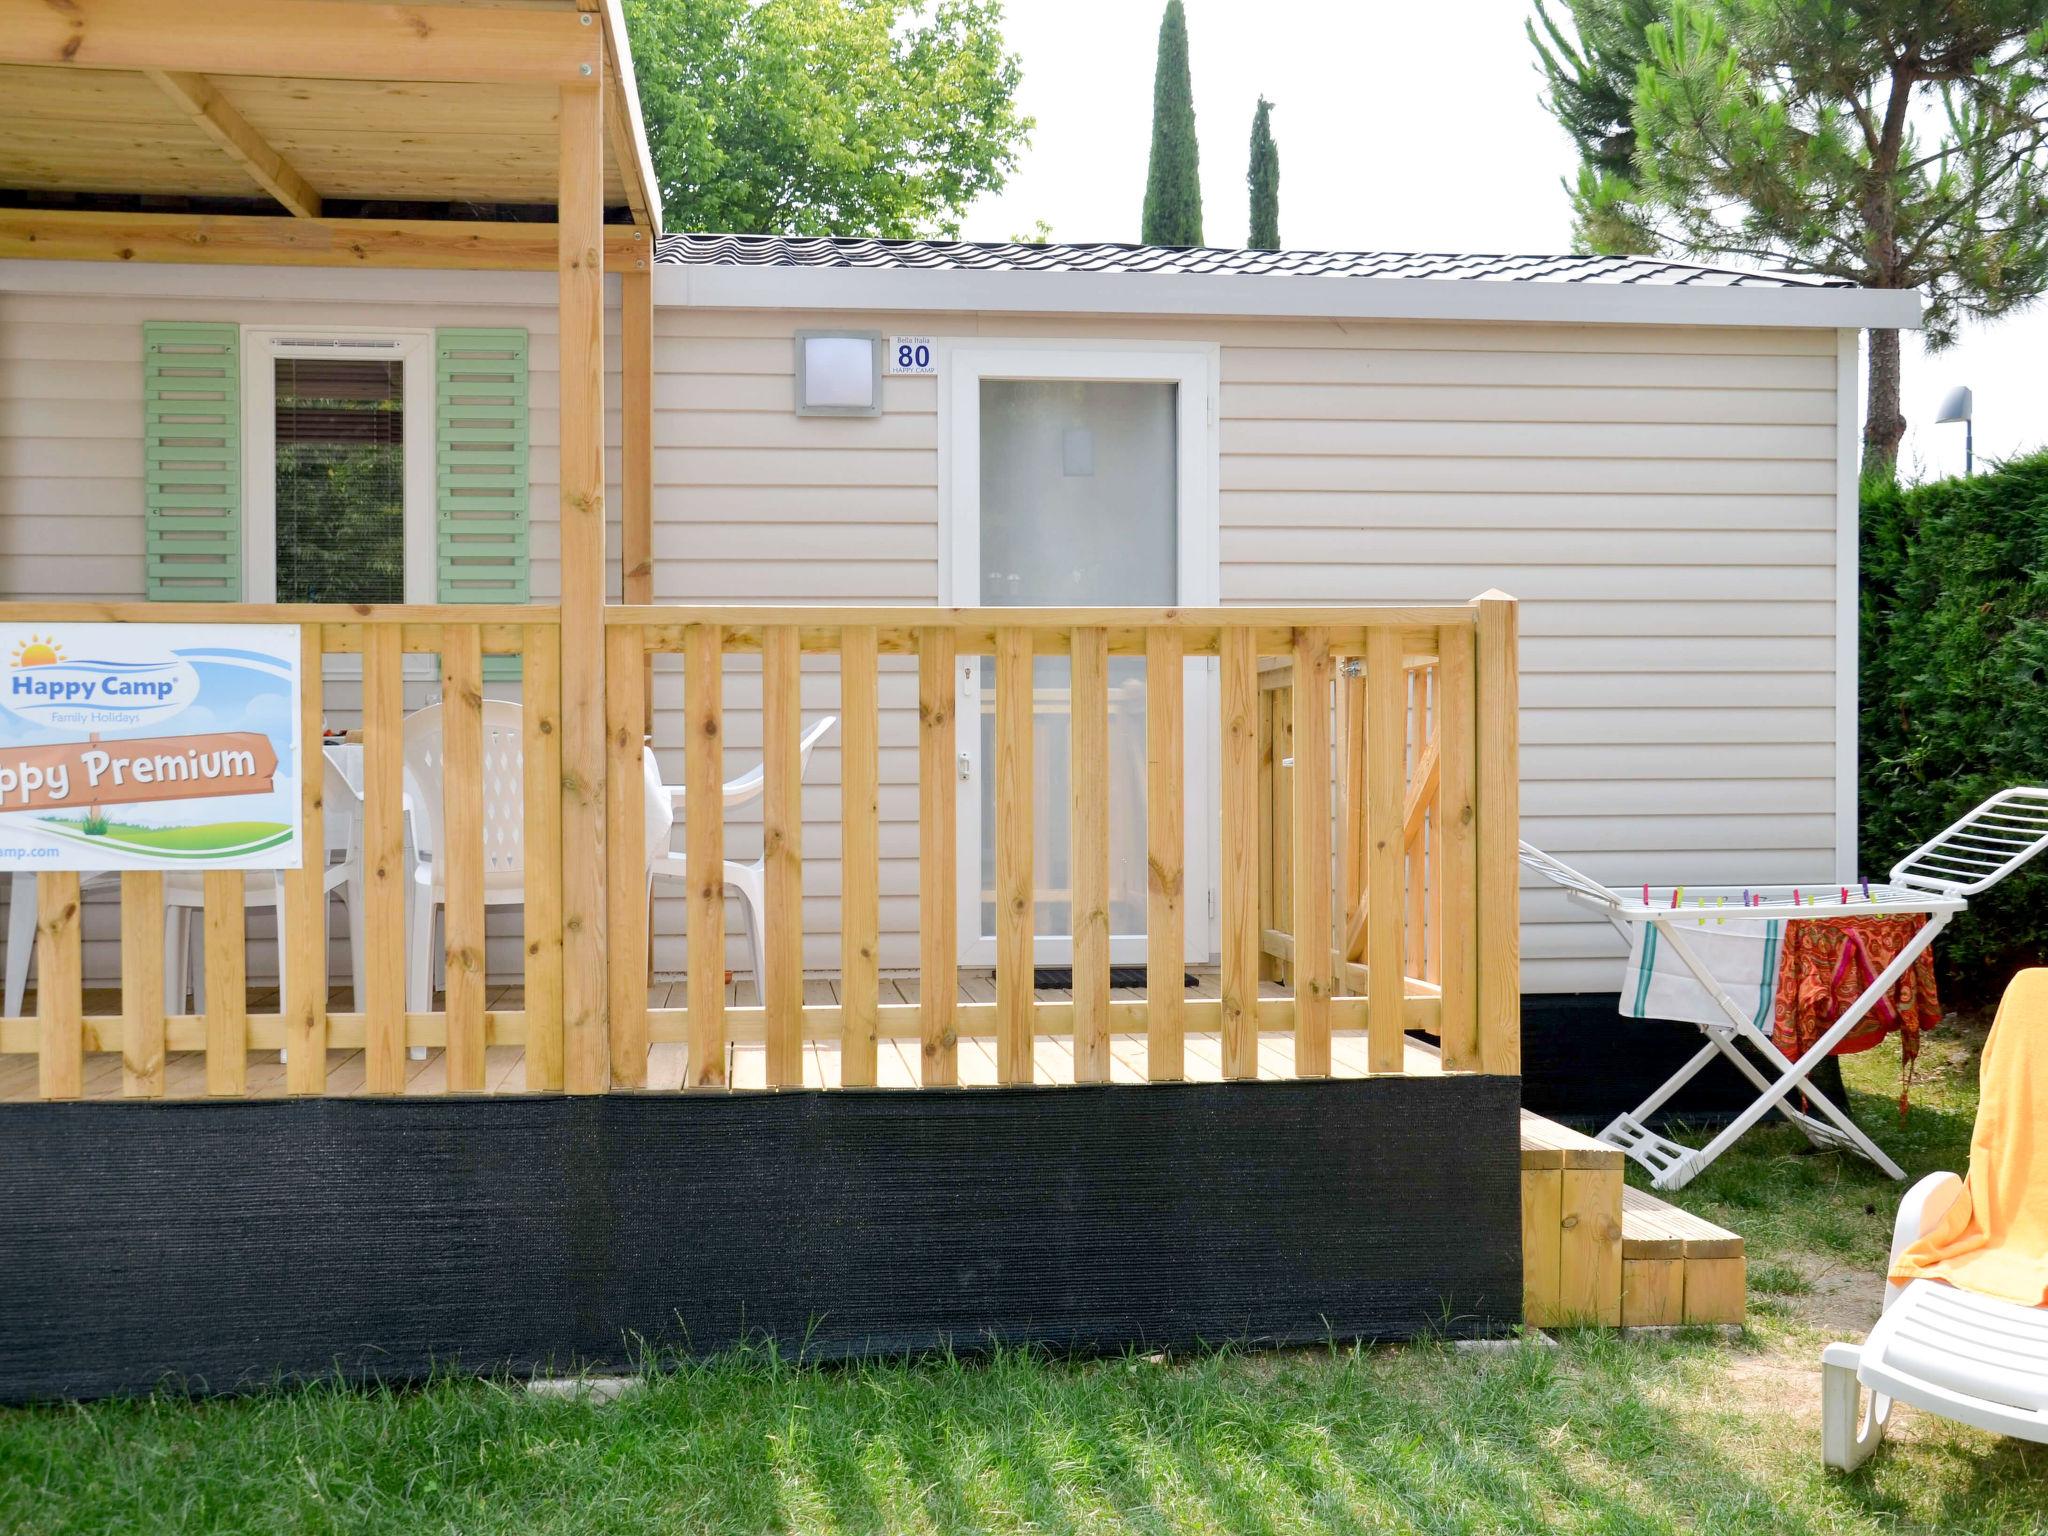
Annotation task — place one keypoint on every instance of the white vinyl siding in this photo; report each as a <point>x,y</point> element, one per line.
<point>1663,500</point>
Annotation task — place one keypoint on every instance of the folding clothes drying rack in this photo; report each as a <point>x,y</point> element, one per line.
<point>1935,880</point>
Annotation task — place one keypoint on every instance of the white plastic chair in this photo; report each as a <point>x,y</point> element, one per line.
<point>185,895</point>
<point>504,810</point>
<point>1965,1356</point>
<point>21,931</point>
<point>747,881</point>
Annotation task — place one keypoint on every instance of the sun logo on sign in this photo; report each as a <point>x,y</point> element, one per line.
<point>38,651</point>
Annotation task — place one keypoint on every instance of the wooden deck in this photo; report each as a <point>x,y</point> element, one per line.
<point>896,1064</point>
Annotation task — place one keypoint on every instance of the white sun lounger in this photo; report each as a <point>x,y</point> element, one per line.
<point>1971,1358</point>
<point>1936,880</point>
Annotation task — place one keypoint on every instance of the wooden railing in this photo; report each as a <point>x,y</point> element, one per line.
<point>1417,793</point>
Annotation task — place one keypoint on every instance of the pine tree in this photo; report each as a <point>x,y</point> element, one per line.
<point>1263,178</point>
<point>1895,143</point>
<point>1173,183</point>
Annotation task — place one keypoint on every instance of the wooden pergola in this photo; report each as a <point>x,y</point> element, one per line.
<point>464,134</point>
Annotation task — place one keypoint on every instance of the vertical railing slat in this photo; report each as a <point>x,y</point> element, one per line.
<point>1014,875</point>
<point>302,940</point>
<point>540,724</point>
<point>1268,841</point>
<point>782,831</point>
<point>1414,833</point>
<point>1386,740</point>
<point>1456,829</point>
<point>938,914</point>
<point>1351,796</point>
<point>60,1005</point>
<point>860,907</point>
<point>383,861</point>
<point>625,822</point>
<point>1244,790</point>
<point>227,984</point>
<point>704,850</point>
<point>1165,858</point>
<point>462,861</point>
<point>1310,786</point>
<point>142,977</point>
<point>1499,799</point>
<point>1088,781</point>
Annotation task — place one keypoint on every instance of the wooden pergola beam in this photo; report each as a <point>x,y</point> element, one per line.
<point>54,234</point>
<point>307,39</point>
<point>218,120</point>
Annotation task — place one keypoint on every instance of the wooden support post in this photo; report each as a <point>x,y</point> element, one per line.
<point>540,725</point>
<point>1088,779</point>
<point>860,858</point>
<point>938,916</point>
<point>302,938</point>
<point>142,979</point>
<point>1499,867</point>
<point>586,1042</point>
<point>782,848</point>
<point>1384,750</point>
<point>60,1009</point>
<point>626,850</point>
<point>1165,859</point>
<point>1313,982</point>
<point>1456,841</point>
<point>227,984</point>
<point>1015,905</point>
<point>383,862</point>
<point>1243,779</point>
<point>704,850</point>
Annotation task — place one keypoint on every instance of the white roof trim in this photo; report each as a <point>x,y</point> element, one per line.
<point>1305,297</point>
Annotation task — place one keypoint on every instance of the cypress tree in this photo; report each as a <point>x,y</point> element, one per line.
<point>1173,183</point>
<point>1263,178</point>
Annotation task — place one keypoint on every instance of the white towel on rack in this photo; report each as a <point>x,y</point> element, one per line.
<point>1741,954</point>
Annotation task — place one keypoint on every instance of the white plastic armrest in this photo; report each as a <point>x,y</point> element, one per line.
<point>1925,1204</point>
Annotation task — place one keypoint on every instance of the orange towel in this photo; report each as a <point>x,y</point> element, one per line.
<point>1994,1239</point>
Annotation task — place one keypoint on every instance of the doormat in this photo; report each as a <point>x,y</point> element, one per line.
<point>1055,978</point>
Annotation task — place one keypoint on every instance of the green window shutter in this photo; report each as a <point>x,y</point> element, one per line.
<point>192,462</point>
<point>480,463</point>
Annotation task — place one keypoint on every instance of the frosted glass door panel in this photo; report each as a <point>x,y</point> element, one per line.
<point>1079,508</point>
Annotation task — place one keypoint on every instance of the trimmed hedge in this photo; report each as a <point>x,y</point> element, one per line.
<point>1955,689</point>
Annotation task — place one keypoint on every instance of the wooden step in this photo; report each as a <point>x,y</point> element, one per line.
<point>1571,1227</point>
<point>1677,1267</point>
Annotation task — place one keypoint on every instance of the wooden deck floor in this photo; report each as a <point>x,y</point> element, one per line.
<point>896,1060</point>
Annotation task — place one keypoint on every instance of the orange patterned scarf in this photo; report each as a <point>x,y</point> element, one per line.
<point>1828,961</point>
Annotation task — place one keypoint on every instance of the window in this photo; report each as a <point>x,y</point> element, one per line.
<point>339,471</point>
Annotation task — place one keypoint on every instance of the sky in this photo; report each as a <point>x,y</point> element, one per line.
<point>1375,155</point>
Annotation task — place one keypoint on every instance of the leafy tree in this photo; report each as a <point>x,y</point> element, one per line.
<point>826,117</point>
<point>1263,178</point>
<point>1896,143</point>
<point>1173,180</point>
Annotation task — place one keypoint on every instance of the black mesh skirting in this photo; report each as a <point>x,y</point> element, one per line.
<point>219,1246</point>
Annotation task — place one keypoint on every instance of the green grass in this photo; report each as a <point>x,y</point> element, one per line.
<point>1604,1434</point>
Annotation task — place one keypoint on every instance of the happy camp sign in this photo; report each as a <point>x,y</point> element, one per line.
<point>136,746</point>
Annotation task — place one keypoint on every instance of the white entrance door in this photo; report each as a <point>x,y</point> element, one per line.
<point>1080,477</point>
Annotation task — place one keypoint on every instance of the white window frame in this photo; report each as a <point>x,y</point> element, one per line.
<point>262,347</point>
<point>1195,368</point>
